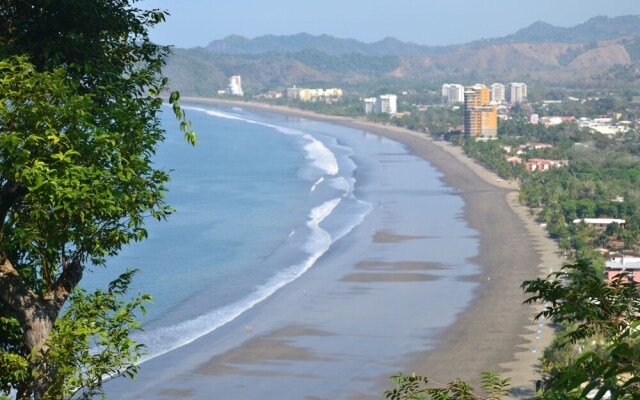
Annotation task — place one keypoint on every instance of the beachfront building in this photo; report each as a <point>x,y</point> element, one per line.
<point>600,223</point>
<point>625,264</point>
<point>452,93</point>
<point>306,94</point>
<point>370,105</point>
<point>387,104</point>
<point>516,92</point>
<point>480,115</point>
<point>497,93</point>
<point>541,164</point>
<point>235,86</point>
<point>604,126</point>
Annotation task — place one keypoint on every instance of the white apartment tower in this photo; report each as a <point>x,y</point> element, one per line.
<point>370,105</point>
<point>386,104</point>
<point>453,93</point>
<point>235,86</point>
<point>497,93</point>
<point>516,92</point>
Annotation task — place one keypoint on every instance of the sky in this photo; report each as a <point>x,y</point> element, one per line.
<point>431,22</point>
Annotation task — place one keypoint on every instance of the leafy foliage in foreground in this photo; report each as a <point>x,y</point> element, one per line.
<point>88,344</point>
<point>415,387</point>
<point>80,97</point>
<point>579,297</point>
<point>91,342</point>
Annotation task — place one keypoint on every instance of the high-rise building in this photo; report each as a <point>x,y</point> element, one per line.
<point>235,86</point>
<point>386,104</point>
<point>516,92</point>
<point>370,105</point>
<point>480,116</point>
<point>445,90</point>
<point>453,93</point>
<point>497,93</point>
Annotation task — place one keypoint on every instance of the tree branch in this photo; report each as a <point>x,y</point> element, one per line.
<point>67,281</point>
<point>14,291</point>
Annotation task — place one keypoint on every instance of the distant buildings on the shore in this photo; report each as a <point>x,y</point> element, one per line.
<point>235,86</point>
<point>497,93</point>
<point>453,93</point>
<point>306,94</point>
<point>604,126</point>
<point>481,104</point>
<point>384,104</point>
<point>480,113</point>
<point>534,164</point>
<point>514,92</point>
<point>623,265</point>
<point>541,164</point>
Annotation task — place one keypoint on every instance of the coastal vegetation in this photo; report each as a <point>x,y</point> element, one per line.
<point>79,119</point>
<point>589,308</point>
<point>594,351</point>
<point>79,123</point>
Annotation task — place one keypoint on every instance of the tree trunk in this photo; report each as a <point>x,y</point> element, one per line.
<point>38,327</point>
<point>23,394</point>
<point>37,314</point>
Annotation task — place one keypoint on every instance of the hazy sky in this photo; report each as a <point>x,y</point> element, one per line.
<point>433,22</point>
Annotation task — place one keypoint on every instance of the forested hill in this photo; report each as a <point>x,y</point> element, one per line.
<point>600,52</point>
<point>593,30</point>
<point>325,43</point>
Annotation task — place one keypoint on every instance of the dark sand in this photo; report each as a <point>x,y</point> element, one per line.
<point>496,333</point>
<point>359,313</point>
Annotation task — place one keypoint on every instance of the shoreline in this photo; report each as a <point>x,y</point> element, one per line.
<point>496,320</point>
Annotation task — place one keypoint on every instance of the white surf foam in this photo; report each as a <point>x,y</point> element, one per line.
<point>315,185</point>
<point>164,340</point>
<point>315,151</point>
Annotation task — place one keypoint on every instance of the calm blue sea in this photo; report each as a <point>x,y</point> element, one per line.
<point>257,203</point>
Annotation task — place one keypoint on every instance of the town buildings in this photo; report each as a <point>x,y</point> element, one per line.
<point>600,223</point>
<point>516,92</point>
<point>480,115</point>
<point>384,104</point>
<point>627,265</point>
<point>370,105</point>
<point>541,164</point>
<point>452,93</point>
<point>387,104</point>
<point>497,93</point>
<point>306,94</point>
<point>604,126</point>
<point>235,86</point>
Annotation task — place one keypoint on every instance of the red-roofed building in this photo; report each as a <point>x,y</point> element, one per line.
<point>627,264</point>
<point>540,164</point>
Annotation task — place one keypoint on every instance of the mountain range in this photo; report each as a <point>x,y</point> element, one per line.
<point>600,51</point>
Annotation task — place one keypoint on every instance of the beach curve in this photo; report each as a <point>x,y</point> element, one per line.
<point>496,332</point>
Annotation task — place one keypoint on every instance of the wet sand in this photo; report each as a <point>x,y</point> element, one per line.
<point>381,270</point>
<point>496,333</point>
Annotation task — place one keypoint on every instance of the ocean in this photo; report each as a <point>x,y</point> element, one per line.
<point>257,203</point>
<point>305,260</point>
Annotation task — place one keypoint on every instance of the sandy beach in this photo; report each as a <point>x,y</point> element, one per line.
<point>497,333</point>
<point>385,267</point>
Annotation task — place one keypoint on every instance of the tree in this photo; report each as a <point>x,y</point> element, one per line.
<point>590,308</point>
<point>414,387</point>
<point>80,87</point>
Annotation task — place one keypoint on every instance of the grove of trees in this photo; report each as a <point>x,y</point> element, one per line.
<point>80,98</point>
